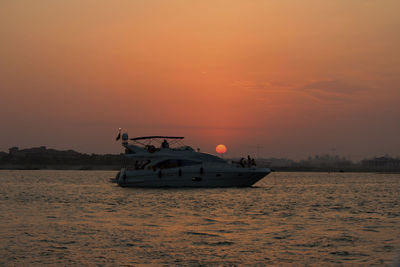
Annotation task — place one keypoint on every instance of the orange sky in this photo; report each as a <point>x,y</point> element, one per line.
<point>296,77</point>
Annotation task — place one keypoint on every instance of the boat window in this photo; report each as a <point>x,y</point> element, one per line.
<point>134,164</point>
<point>183,148</point>
<point>167,164</point>
<point>174,163</point>
<point>186,162</point>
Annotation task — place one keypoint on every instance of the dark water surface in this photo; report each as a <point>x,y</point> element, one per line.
<point>79,218</point>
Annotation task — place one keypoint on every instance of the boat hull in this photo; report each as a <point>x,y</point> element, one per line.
<point>198,177</point>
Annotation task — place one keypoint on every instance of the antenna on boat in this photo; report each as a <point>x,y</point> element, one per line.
<point>258,147</point>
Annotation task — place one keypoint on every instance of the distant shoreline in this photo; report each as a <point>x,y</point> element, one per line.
<point>117,168</point>
<point>62,167</point>
<point>43,158</point>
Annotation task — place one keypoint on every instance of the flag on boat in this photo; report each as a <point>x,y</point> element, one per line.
<point>119,135</point>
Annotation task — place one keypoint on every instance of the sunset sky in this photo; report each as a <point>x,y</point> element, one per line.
<point>298,77</point>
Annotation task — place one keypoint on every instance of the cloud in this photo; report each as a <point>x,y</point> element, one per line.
<point>262,86</point>
<point>333,90</point>
<point>330,96</point>
<point>333,86</point>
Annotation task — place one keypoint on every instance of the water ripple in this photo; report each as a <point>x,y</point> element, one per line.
<point>77,218</point>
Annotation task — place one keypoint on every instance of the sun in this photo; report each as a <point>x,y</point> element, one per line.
<point>221,149</point>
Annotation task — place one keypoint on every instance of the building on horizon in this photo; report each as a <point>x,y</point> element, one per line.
<point>381,162</point>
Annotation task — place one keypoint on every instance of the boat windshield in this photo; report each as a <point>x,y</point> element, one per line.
<point>156,143</point>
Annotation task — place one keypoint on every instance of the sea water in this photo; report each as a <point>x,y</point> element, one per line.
<point>78,218</point>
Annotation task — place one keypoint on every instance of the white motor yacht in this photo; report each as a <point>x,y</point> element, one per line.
<point>152,161</point>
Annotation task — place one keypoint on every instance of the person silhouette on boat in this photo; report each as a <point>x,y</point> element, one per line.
<point>242,162</point>
<point>165,144</point>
